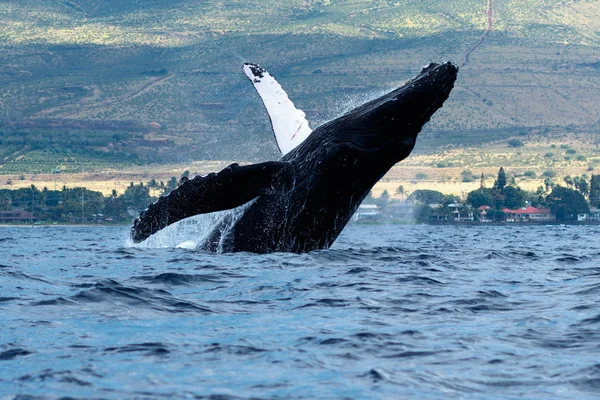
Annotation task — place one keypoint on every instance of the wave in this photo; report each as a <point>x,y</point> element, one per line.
<point>13,353</point>
<point>171,278</point>
<point>113,293</point>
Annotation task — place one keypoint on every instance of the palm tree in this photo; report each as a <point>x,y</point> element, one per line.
<point>568,180</point>
<point>400,191</point>
<point>582,185</point>
<point>548,184</point>
<point>5,201</point>
<point>152,185</point>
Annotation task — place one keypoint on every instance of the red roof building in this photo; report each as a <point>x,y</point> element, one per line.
<point>529,213</point>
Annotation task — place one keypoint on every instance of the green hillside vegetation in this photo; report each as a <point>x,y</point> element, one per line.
<point>135,82</point>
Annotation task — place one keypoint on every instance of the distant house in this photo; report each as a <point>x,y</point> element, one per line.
<point>454,212</point>
<point>97,218</point>
<point>529,213</point>
<point>593,215</point>
<point>401,211</point>
<point>16,216</point>
<point>459,214</point>
<point>367,212</point>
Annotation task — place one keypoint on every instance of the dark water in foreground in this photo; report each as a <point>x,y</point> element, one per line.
<point>390,312</point>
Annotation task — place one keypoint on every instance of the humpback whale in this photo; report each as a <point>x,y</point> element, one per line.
<point>303,201</point>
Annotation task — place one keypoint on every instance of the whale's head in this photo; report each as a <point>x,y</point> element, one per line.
<point>390,124</point>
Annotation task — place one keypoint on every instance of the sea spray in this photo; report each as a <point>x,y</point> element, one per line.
<point>191,232</point>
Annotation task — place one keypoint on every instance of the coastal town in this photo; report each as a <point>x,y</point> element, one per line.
<point>458,213</point>
<point>577,202</point>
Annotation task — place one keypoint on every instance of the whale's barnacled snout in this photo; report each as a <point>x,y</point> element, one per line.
<point>410,106</point>
<point>426,93</point>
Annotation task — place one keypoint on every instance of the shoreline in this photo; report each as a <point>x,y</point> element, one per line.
<point>363,223</point>
<point>477,223</point>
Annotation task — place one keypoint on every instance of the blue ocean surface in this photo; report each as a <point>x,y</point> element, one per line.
<point>428,312</point>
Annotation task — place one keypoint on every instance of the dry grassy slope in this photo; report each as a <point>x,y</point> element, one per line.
<point>87,59</point>
<point>558,154</point>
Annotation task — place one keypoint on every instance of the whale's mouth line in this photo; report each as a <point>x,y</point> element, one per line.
<point>441,96</point>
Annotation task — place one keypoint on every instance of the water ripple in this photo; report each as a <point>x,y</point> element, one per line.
<point>412,311</point>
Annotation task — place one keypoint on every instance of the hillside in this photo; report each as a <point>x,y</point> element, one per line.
<point>89,84</point>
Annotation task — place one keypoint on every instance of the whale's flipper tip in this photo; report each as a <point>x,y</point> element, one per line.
<point>253,71</point>
<point>289,124</point>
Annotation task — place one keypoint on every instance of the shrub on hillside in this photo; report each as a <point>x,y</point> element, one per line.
<point>515,143</point>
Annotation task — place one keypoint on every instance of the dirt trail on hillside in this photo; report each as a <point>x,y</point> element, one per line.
<point>483,38</point>
<point>145,88</point>
<point>76,7</point>
<point>96,93</point>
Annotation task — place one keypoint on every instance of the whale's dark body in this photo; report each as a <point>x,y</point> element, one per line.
<point>302,202</point>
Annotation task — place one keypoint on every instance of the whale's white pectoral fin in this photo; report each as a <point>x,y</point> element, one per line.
<point>289,124</point>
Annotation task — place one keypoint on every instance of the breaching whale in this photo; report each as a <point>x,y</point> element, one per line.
<point>303,201</point>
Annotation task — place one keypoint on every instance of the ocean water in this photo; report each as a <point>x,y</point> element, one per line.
<point>428,312</point>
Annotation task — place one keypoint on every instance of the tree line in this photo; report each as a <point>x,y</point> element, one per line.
<point>84,205</point>
<point>81,205</point>
<point>565,202</point>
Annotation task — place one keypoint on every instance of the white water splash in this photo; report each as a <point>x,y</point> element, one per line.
<point>187,233</point>
<point>191,232</point>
